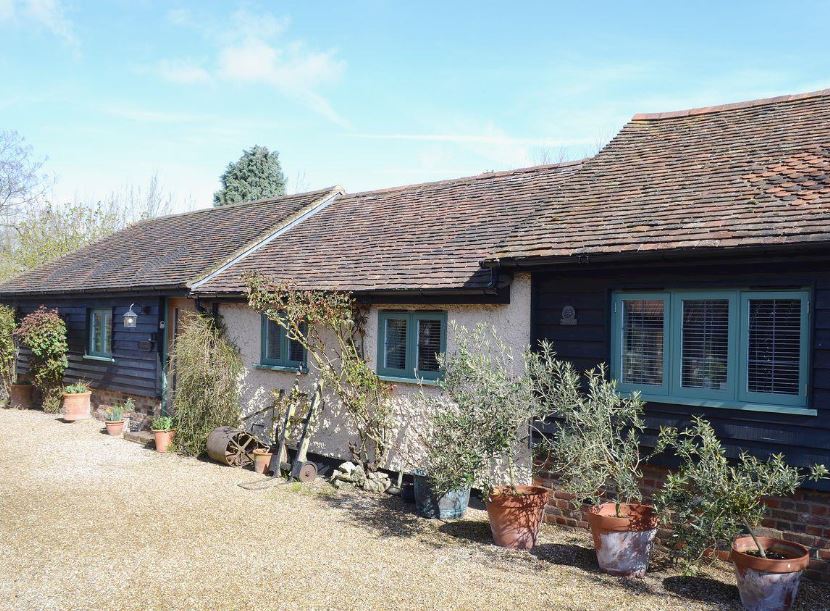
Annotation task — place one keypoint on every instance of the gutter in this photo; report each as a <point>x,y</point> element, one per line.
<point>324,203</point>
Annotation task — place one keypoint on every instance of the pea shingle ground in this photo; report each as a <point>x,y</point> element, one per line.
<point>91,521</point>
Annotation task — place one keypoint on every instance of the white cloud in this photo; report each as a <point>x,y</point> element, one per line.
<point>494,137</point>
<point>183,71</point>
<point>151,116</point>
<point>48,14</point>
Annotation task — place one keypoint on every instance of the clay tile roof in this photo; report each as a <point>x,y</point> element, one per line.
<point>419,237</point>
<point>738,175</point>
<point>169,252</point>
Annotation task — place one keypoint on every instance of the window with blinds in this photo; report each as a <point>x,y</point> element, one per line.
<point>774,346</point>
<point>100,332</point>
<point>409,344</point>
<point>705,343</point>
<point>738,349</point>
<point>273,344</point>
<point>277,350</point>
<point>642,341</point>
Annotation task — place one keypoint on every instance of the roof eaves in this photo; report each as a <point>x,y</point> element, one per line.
<point>318,205</point>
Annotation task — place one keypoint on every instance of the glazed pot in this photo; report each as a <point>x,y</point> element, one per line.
<point>163,439</point>
<point>516,514</point>
<point>449,506</point>
<point>76,406</point>
<point>262,458</point>
<point>20,396</point>
<point>768,584</point>
<point>623,545</point>
<point>114,427</point>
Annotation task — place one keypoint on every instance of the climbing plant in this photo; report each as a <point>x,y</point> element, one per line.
<point>43,332</point>
<point>330,327</point>
<point>8,350</point>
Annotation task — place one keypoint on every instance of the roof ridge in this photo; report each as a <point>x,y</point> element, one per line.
<point>702,110</point>
<point>481,176</point>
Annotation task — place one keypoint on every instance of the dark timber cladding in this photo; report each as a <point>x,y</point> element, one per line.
<point>136,352</point>
<point>803,439</point>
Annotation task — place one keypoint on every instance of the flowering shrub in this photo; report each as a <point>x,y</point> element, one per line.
<point>43,332</point>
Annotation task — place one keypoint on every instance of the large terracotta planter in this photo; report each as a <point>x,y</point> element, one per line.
<point>262,458</point>
<point>623,545</point>
<point>768,584</point>
<point>76,406</point>
<point>163,439</point>
<point>114,427</point>
<point>20,396</point>
<point>449,506</point>
<point>515,516</point>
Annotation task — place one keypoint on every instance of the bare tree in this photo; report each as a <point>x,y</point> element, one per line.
<point>23,183</point>
<point>545,155</point>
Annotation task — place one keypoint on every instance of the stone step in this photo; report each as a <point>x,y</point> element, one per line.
<point>143,437</point>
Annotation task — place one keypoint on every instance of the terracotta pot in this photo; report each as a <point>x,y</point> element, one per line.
<point>768,584</point>
<point>623,545</point>
<point>163,439</point>
<point>515,517</point>
<point>262,458</point>
<point>114,427</point>
<point>20,396</point>
<point>76,405</point>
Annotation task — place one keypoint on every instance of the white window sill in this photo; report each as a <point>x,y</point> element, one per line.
<point>414,381</point>
<point>283,368</point>
<point>736,405</point>
<point>105,359</point>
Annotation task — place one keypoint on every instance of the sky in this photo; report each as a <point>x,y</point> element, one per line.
<point>369,94</point>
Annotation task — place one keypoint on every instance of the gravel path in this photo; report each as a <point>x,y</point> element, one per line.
<point>91,521</point>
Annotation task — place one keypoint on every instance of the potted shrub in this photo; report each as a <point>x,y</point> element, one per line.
<point>43,333</point>
<point>115,417</point>
<point>76,401</point>
<point>595,453</point>
<point>162,427</point>
<point>710,502</point>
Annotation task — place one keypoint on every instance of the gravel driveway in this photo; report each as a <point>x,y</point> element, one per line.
<point>91,521</point>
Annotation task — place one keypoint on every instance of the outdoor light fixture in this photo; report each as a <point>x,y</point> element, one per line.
<point>130,318</point>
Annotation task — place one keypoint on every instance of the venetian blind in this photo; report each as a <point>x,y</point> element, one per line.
<point>774,346</point>
<point>394,347</point>
<point>273,348</point>
<point>429,344</point>
<point>642,340</point>
<point>705,347</point>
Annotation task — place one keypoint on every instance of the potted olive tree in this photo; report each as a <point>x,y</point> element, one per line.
<point>163,432</point>
<point>481,427</point>
<point>76,401</point>
<point>710,502</point>
<point>595,453</point>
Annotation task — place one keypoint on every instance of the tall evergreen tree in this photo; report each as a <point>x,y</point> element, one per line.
<point>257,174</point>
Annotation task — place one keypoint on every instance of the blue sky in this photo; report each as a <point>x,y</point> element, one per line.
<point>369,94</point>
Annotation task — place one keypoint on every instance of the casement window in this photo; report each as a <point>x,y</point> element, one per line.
<point>277,350</point>
<point>409,344</point>
<point>99,325</point>
<point>739,349</point>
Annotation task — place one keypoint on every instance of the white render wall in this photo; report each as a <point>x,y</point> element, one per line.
<point>512,322</point>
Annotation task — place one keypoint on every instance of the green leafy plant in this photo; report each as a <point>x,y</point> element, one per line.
<point>710,500</point>
<point>43,333</point>
<point>116,412</point>
<point>485,410</point>
<point>313,317</point>
<point>8,349</point>
<point>255,175</point>
<point>207,367</point>
<point>595,449</point>
<point>162,423</point>
<point>77,388</point>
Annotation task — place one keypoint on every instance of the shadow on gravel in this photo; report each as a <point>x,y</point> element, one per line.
<point>567,554</point>
<point>384,516</point>
<point>473,531</point>
<point>702,589</point>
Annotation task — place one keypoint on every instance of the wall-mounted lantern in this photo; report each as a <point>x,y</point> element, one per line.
<point>130,318</point>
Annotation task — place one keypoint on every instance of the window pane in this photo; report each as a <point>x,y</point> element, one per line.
<point>100,331</point>
<point>705,343</point>
<point>394,346</point>
<point>774,348</point>
<point>429,344</point>
<point>272,346</point>
<point>642,341</point>
<point>296,353</point>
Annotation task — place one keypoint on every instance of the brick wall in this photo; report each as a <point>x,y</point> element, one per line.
<point>145,407</point>
<point>803,518</point>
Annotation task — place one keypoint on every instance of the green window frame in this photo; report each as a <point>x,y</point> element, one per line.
<point>99,328</point>
<point>404,355</point>
<point>277,351</point>
<point>735,349</point>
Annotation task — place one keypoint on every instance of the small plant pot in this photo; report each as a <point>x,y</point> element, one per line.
<point>768,584</point>
<point>623,545</point>
<point>163,439</point>
<point>76,406</point>
<point>114,427</point>
<point>20,396</point>
<point>516,515</point>
<point>449,506</point>
<point>262,458</point>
